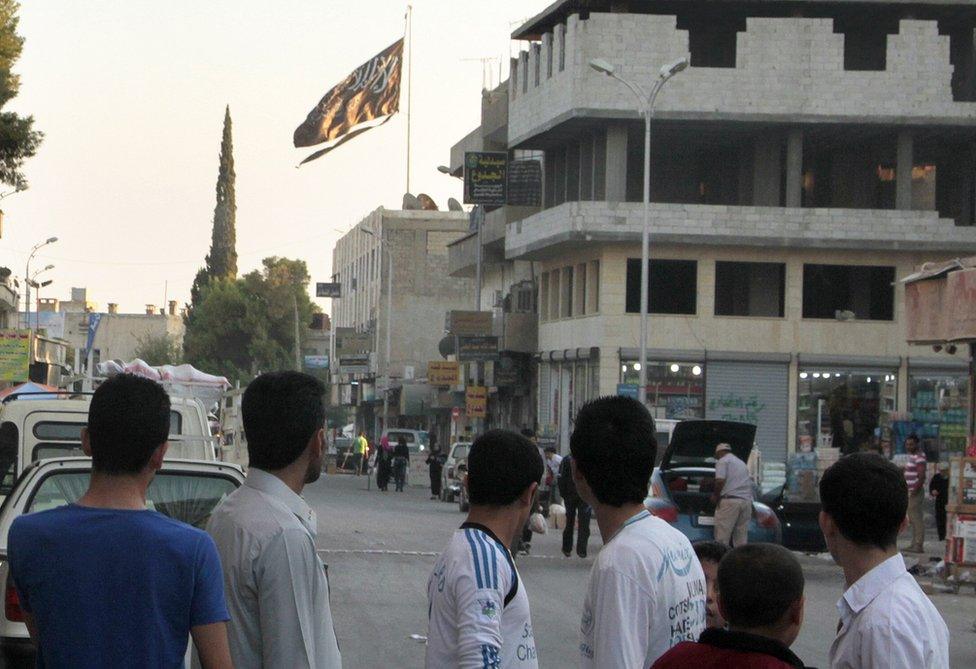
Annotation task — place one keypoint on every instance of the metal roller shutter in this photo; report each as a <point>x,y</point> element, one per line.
<point>751,392</point>
<point>545,396</point>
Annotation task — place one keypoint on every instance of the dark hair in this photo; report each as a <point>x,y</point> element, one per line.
<point>528,432</point>
<point>501,465</point>
<point>128,419</point>
<point>867,497</point>
<point>773,567</point>
<point>401,440</point>
<point>710,551</point>
<point>549,449</point>
<point>614,447</point>
<point>282,411</point>
<point>913,437</point>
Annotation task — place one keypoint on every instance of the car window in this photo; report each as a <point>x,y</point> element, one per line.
<point>189,498</point>
<point>9,437</point>
<point>58,430</point>
<point>55,450</point>
<point>395,437</point>
<point>460,452</point>
<point>175,422</point>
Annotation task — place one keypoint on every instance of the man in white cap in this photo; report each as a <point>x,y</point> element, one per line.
<point>732,497</point>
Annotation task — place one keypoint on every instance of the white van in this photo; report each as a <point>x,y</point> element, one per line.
<point>33,429</point>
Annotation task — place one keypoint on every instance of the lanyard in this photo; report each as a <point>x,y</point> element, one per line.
<point>641,515</point>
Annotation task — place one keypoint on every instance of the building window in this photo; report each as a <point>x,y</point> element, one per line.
<point>561,36</point>
<point>840,408</point>
<point>847,292</point>
<point>866,40</point>
<point>544,297</point>
<point>712,39</point>
<point>672,286</point>
<point>750,289</point>
<point>593,294</point>
<point>939,403</point>
<point>566,298</point>
<point>554,294</point>
<point>579,295</point>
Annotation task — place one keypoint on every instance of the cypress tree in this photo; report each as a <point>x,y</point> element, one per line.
<point>222,259</point>
<point>18,139</point>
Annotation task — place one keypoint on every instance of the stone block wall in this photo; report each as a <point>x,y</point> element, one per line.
<point>786,68</point>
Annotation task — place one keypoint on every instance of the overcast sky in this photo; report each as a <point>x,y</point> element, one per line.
<point>130,95</point>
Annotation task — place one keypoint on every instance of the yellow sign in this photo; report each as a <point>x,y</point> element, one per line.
<point>14,355</point>
<point>476,401</point>
<point>443,373</point>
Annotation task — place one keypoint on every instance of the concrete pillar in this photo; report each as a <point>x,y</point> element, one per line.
<point>766,172</point>
<point>903,171</point>
<point>791,404</point>
<point>616,190</point>
<point>794,168</point>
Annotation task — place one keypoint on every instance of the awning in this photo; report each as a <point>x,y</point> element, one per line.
<point>940,303</point>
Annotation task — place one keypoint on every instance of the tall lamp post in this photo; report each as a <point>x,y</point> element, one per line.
<point>27,274</point>
<point>33,283</point>
<point>646,109</point>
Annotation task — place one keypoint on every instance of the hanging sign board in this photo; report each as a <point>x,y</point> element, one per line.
<point>350,341</point>
<point>485,177</point>
<point>477,349</point>
<point>328,290</point>
<point>443,373</point>
<point>476,401</point>
<point>469,323</point>
<point>524,183</point>
<point>15,355</point>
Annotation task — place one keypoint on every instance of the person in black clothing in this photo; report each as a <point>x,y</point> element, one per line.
<point>435,461</point>
<point>939,490</point>
<point>574,505</point>
<point>401,459</point>
<point>384,464</point>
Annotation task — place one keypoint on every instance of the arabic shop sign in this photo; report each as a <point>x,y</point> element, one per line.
<point>485,177</point>
<point>14,355</point>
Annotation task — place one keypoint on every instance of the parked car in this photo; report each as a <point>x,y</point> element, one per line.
<point>187,490</point>
<point>460,472</point>
<point>800,521</point>
<point>449,487</point>
<point>681,487</point>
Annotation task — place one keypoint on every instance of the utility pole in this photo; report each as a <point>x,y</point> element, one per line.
<point>298,350</point>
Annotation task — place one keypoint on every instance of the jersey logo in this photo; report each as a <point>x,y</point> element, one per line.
<point>586,624</point>
<point>677,561</point>
<point>489,610</point>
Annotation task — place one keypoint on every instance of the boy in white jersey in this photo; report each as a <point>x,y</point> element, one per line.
<point>478,608</point>
<point>647,589</point>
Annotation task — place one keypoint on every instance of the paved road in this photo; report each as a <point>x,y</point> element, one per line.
<point>380,548</point>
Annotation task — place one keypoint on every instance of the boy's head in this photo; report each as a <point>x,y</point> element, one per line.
<point>863,501</point>
<point>504,470</point>
<point>128,426</point>
<point>284,419</point>
<point>710,554</point>
<point>760,590</point>
<point>613,448</point>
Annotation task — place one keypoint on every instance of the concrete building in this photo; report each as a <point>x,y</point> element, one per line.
<point>813,154</point>
<point>422,291</point>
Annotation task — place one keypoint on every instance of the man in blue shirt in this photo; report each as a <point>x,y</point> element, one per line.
<point>105,582</point>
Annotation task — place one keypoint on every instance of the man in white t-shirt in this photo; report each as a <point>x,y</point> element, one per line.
<point>478,607</point>
<point>732,497</point>
<point>647,589</point>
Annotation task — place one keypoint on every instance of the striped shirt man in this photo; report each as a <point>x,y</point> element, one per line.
<point>478,608</point>
<point>915,471</point>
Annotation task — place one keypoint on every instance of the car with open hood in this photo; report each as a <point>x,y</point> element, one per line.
<point>682,485</point>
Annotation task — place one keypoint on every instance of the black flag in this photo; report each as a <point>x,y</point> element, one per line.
<point>368,97</point>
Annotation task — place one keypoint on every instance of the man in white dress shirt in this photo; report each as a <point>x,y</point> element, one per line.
<point>886,621</point>
<point>276,587</point>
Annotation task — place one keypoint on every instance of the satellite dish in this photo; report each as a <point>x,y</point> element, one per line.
<point>454,205</point>
<point>410,202</point>
<point>427,202</point>
<point>447,346</point>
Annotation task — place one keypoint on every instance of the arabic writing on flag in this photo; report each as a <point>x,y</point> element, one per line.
<point>369,94</point>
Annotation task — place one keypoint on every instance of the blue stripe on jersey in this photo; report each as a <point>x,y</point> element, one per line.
<point>485,550</point>
<point>475,558</point>
<point>489,657</point>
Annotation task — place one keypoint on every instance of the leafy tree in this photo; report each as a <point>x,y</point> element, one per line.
<point>18,139</point>
<point>241,327</point>
<point>162,349</point>
<point>222,260</point>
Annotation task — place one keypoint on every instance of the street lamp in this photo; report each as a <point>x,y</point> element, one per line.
<point>646,110</point>
<point>389,321</point>
<point>33,283</point>
<point>27,274</point>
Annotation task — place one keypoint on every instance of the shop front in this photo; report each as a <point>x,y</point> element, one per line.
<point>845,403</point>
<point>567,380</point>
<point>938,401</point>
<point>675,382</point>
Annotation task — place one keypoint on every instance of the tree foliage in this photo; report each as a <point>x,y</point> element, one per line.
<point>222,260</point>
<point>18,139</point>
<point>161,349</point>
<point>241,327</point>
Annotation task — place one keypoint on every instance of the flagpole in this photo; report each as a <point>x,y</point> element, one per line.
<point>409,39</point>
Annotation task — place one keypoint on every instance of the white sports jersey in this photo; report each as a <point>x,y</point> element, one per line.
<point>646,594</point>
<point>478,608</point>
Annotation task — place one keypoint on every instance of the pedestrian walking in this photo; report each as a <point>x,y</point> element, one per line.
<point>915,470</point>
<point>435,464</point>
<point>401,460</point>
<point>710,554</point>
<point>384,464</point>
<point>478,605</point>
<point>576,508</point>
<point>104,582</point>
<point>276,585</point>
<point>886,621</point>
<point>647,590</point>
<point>939,490</point>
<point>763,622</point>
<point>551,479</point>
<point>732,497</point>
<point>360,453</point>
